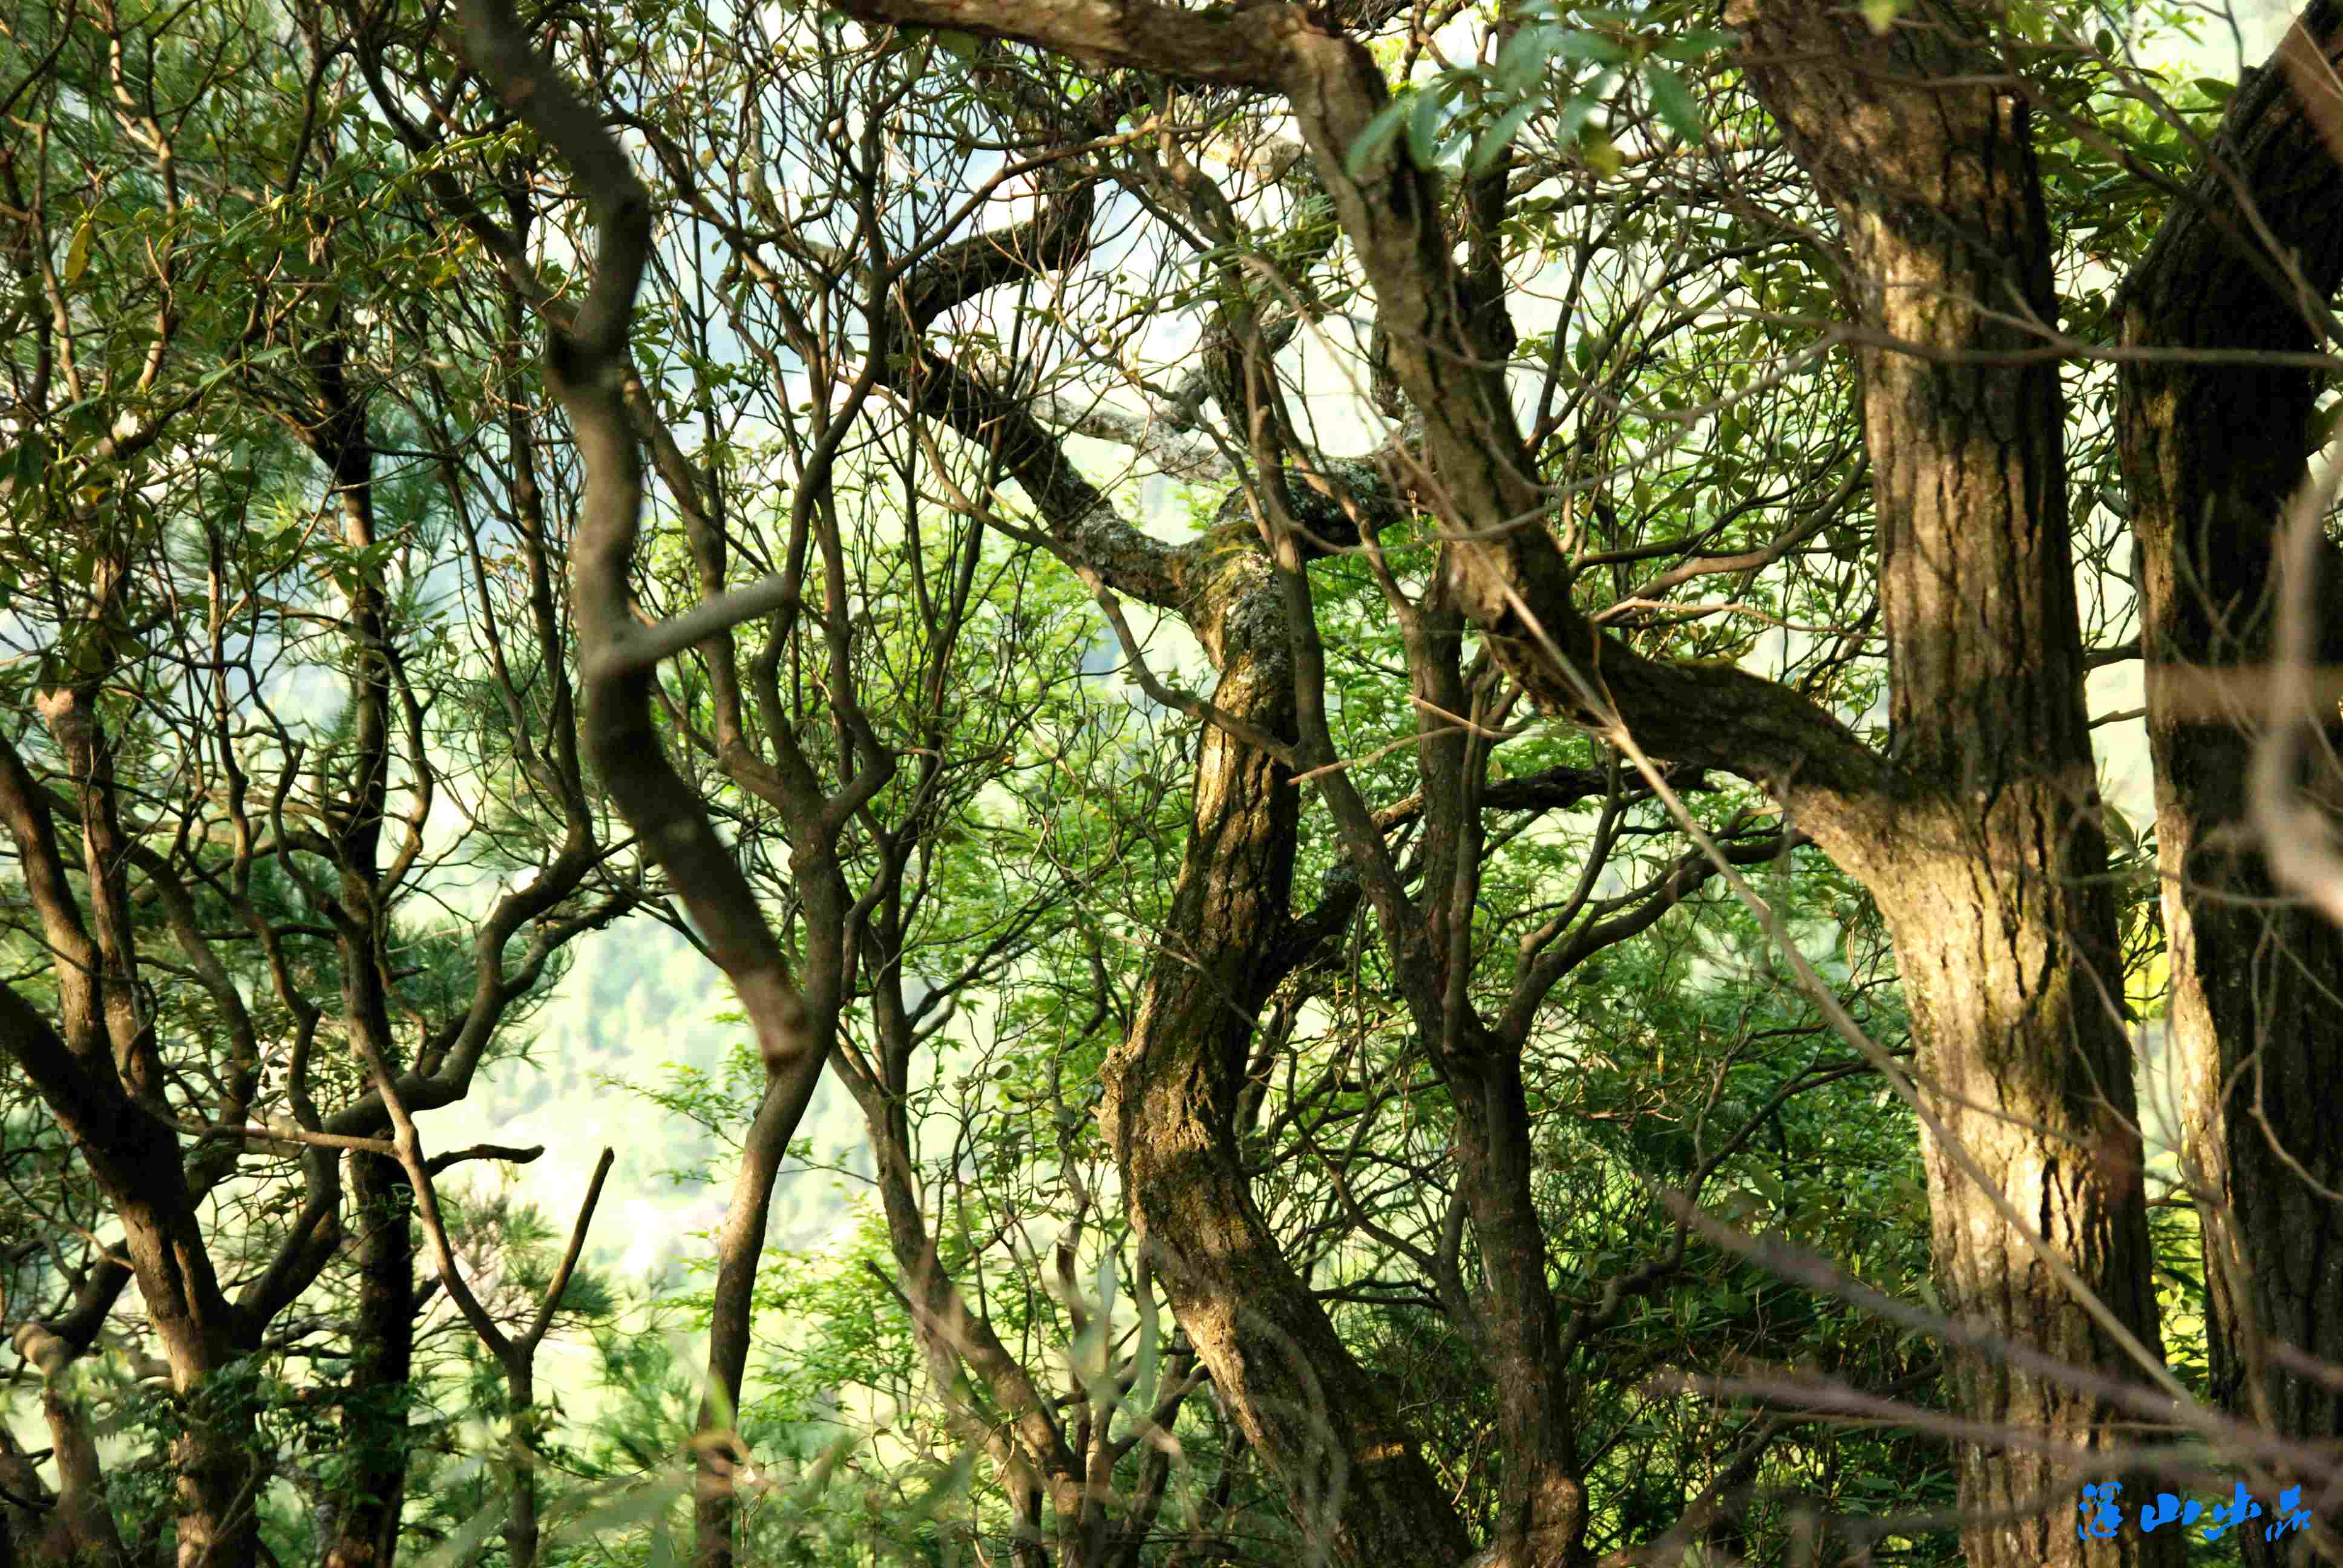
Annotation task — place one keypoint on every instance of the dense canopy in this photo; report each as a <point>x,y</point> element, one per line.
<point>1382,783</point>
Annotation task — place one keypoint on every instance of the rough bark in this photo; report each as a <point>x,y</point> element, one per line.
<point>1992,880</point>
<point>1348,1463</point>
<point>2211,453</point>
<point>84,1075</point>
<point>1544,1519</point>
<point>1977,835</point>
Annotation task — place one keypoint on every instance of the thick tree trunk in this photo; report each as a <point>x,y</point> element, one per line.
<point>374,1408</point>
<point>1990,871</point>
<point>136,1162</point>
<point>1353,1472</point>
<point>2211,454</point>
<point>218,1486</point>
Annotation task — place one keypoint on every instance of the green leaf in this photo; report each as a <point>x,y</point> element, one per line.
<point>1602,155</point>
<point>1107,1281</point>
<point>964,45</point>
<point>1493,142</point>
<point>1672,99</point>
<point>1522,59</point>
<point>1423,126</point>
<point>465,1543</point>
<point>1147,1360</point>
<point>1882,13</point>
<point>1579,110</point>
<point>77,249</point>
<point>1373,138</point>
<point>1595,46</point>
<point>2216,89</point>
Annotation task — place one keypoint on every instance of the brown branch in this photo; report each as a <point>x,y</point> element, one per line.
<point>553,1291</point>
<point>586,361</point>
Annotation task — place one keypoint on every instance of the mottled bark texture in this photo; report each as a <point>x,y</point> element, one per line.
<point>1349,1465</point>
<point>2211,454</point>
<point>1992,876</point>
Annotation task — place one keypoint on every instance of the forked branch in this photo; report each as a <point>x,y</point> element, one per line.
<point>587,363</point>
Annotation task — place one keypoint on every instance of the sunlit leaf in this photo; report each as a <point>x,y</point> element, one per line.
<point>77,249</point>
<point>1602,155</point>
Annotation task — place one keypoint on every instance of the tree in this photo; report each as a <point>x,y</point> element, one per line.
<point>2004,932</point>
<point>2210,472</point>
<point>1216,680</point>
<point>234,892</point>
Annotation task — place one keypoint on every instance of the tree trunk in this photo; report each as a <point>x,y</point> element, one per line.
<point>374,1407</point>
<point>1990,869</point>
<point>523,1529</point>
<point>2211,454</point>
<point>1544,1496</point>
<point>80,1530</point>
<point>1353,1472</point>
<point>739,1247</point>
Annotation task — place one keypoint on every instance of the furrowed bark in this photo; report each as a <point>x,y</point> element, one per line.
<point>1992,880</point>
<point>1349,1466</point>
<point>2211,454</point>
